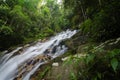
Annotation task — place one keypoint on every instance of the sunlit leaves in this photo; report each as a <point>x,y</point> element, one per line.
<point>4,11</point>
<point>18,14</point>
<point>30,5</point>
<point>45,11</point>
<point>24,18</point>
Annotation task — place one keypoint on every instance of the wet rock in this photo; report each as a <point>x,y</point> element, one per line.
<point>44,40</point>
<point>4,52</point>
<point>79,55</point>
<point>75,56</point>
<point>64,59</point>
<point>55,64</point>
<point>27,45</point>
<point>39,40</point>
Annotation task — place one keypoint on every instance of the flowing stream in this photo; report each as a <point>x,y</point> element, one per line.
<point>22,62</point>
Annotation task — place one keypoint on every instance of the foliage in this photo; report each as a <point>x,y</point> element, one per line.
<point>5,30</point>
<point>99,18</point>
<point>114,63</point>
<point>22,20</point>
<point>73,76</point>
<point>101,64</point>
<point>42,74</point>
<point>86,26</point>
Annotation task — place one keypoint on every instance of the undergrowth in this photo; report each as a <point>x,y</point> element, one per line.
<point>98,64</point>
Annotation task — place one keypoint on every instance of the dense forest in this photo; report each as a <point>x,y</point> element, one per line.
<point>25,21</point>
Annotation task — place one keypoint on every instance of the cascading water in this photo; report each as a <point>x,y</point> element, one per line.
<point>14,66</point>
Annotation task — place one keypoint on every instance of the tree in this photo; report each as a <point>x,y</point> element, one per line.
<point>102,14</point>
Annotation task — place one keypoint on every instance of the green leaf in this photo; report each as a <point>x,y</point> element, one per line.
<point>99,75</point>
<point>114,63</point>
<point>90,58</point>
<point>6,30</point>
<point>114,52</point>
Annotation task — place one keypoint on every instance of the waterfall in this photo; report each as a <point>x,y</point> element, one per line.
<point>14,64</point>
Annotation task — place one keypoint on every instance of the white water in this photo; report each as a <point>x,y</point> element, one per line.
<point>9,64</point>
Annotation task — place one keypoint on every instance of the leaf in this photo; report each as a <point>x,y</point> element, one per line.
<point>114,63</point>
<point>99,75</point>
<point>90,58</point>
<point>114,52</point>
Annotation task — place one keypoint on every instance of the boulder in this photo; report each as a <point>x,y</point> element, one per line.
<point>55,64</point>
